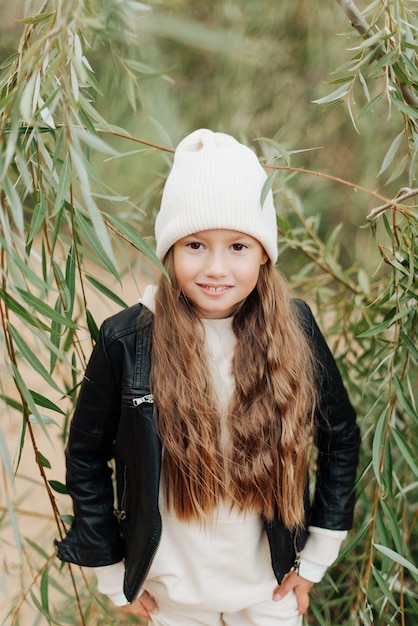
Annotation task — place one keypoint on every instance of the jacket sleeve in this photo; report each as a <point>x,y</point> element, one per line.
<point>337,438</point>
<point>94,538</point>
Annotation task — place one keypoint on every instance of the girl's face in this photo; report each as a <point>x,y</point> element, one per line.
<point>217,269</point>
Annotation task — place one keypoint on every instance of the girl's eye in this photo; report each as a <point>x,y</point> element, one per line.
<point>194,245</point>
<point>239,247</point>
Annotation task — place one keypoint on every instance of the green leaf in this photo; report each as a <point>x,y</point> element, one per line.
<point>15,204</point>
<point>382,582</point>
<point>38,217</point>
<point>94,142</point>
<point>333,105</point>
<point>403,312</point>
<point>45,403</point>
<point>376,330</point>
<point>44,590</point>
<point>26,271</point>
<point>21,443</point>
<point>410,345</point>
<point>109,293</point>
<point>92,326</point>
<point>379,444</point>
<point>36,19</point>
<point>392,523</point>
<point>70,271</point>
<point>406,451</point>
<point>410,111</point>
<point>65,296</point>
<point>43,460</point>
<point>42,420</point>
<point>44,309</point>
<point>27,398</point>
<point>403,400</point>
<point>268,185</point>
<point>37,548</point>
<point>91,239</point>
<point>133,237</point>
<point>9,61</point>
<point>391,153</point>
<point>397,558</point>
<point>58,227</point>
<point>84,170</point>
<point>83,115</point>
<point>336,95</point>
<point>12,402</point>
<point>57,486</point>
<point>29,355</point>
<point>63,185</point>
<point>20,310</point>
<point>400,165</point>
<point>56,334</point>
<point>385,61</point>
<point>356,540</point>
<point>370,105</point>
<point>41,609</point>
<point>377,38</point>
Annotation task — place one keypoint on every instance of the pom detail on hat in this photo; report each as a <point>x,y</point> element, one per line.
<point>215,182</point>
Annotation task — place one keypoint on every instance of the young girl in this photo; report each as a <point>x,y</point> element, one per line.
<point>209,395</point>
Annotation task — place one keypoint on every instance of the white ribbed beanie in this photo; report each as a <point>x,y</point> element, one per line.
<point>215,182</point>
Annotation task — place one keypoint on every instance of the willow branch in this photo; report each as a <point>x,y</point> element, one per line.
<point>404,194</point>
<point>362,26</point>
<point>358,21</point>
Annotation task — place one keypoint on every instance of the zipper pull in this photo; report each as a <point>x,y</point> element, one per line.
<point>296,565</point>
<point>149,398</point>
<point>121,515</point>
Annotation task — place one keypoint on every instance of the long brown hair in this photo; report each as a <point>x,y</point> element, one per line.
<point>270,416</point>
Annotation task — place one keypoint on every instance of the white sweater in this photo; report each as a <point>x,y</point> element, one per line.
<point>196,562</point>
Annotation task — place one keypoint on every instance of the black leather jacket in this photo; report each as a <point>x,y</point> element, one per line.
<point>113,422</point>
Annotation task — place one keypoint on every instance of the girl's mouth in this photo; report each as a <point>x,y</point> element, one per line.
<point>214,288</point>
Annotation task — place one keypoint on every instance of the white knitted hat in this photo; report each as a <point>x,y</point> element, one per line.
<point>215,182</point>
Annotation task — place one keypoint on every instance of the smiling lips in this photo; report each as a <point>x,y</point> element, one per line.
<point>215,289</point>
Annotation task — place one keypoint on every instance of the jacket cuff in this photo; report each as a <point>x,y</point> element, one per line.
<point>72,551</point>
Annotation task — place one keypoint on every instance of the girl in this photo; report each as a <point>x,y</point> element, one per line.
<point>208,395</point>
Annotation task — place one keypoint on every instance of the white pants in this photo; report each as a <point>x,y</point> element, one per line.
<point>269,613</point>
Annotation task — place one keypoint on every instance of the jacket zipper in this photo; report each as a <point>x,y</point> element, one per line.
<point>121,513</point>
<point>150,560</point>
<point>149,399</point>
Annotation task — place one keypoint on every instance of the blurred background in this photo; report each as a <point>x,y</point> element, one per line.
<point>250,69</point>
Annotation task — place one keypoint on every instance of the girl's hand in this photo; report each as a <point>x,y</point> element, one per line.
<point>143,606</point>
<point>300,586</point>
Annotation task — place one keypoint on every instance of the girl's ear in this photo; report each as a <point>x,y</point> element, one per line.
<point>264,258</point>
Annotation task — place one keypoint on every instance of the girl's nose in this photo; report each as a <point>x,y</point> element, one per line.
<point>216,264</point>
